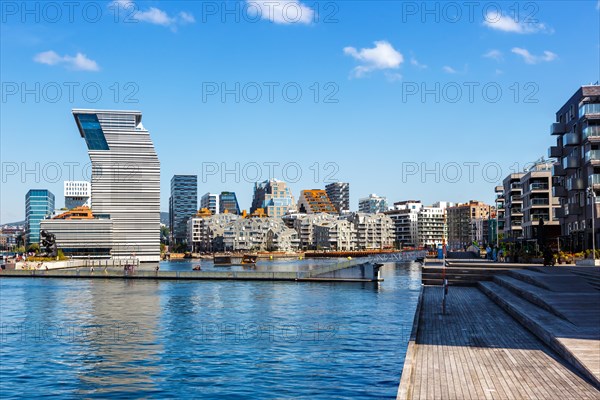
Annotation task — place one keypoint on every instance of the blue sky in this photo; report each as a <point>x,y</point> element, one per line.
<point>389,90</point>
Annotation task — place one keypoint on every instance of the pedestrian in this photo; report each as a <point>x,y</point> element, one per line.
<point>495,254</point>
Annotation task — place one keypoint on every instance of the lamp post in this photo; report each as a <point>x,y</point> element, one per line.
<point>592,197</point>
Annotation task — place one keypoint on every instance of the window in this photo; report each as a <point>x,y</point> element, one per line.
<point>94,137</point>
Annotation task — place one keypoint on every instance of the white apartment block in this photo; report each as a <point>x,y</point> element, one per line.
<point>264,234</point>
<point>77,194</point>
<point>205,234</point>
<point>334,235</point>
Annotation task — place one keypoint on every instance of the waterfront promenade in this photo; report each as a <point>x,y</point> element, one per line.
<point>527,334</point>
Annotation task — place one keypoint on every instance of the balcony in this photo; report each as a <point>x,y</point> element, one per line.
<point>516,198</point>
<point>558,170</point>
<point>536,217</point>
<point>540,202</point>
<point>557,128</point>
<point>554,152</point>
<point>592,156</point>
<point>538,186</point>
<point>516,211</point>
<point>559,191</point>
<point>590,111</point>
<point>570,162</point>
<point>594,180</point>
<point>516,223</point>
<point>575,184</point>
<point>570,139</point>
<point>516,186</point>
<point>591,132</point>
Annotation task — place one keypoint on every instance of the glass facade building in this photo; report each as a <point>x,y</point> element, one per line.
<point>228,201</point>
<point>183,204</point>
<point>39,204</point>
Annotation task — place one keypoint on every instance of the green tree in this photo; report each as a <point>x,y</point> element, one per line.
<point>33,247</point>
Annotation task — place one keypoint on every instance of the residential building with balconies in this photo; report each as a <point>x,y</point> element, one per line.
<point>465,223</point>
<point>576,173</point>
<point>513,206</point>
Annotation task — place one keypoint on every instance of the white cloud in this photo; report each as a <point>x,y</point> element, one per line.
<point>79,62</point>
<point>152,15</point>
<point>494,55</point>
<point>533,59</point>
<point>416,63</point>
<point>281,11</point>
<point>496,20</point>
<point>382,56</point>
<point>449,70</point>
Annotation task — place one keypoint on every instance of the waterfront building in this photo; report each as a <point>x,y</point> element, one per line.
<point>431,226</point>
<point>183,204</point>
<point>405,215</point>
<point>304,225</point>
<point>576,173</point>
<point>500,211</point>
<point>539,203</point>
<point>339,195</point>
<point>39,204</point>
<point>334,235</point>
<point>315,201</point>
<point>228,203</point>
<point>210,201</point>
<point>513,203</point>
<point>125,185</point>
<point>274,197</point>
<point>372,204</point>
<point>206,231</point>
<point>259,234</point>
<point>373,231</point>
<point>77,194</point>
<point>465,223</point>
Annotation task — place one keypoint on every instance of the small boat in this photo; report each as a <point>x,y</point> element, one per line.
<point>249,259</point>
<point>197,268</point>
<point>222,260</point>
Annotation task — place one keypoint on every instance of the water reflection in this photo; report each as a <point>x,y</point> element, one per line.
<point>120,338</point>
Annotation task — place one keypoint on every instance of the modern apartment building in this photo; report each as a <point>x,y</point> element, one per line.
<point>205,232</point>
<point>228,203</point>
<point>372,204</point>
<point>315,201</point>
<point>373,231</point>
<point>125,186</point>
<point>465,223</point>
<point>334,235</point>
<point>39,204</point>
<point>576,173</point>
<point>265,234</point>
<point>513,206</point>
<point>183,204</point>
<point>305,225</point>
<point>274,197</point>
<point>539,203</point>
<point>339,195</point>
<point>77,194</point>
<point>210,201</point>
<point>405,215</point>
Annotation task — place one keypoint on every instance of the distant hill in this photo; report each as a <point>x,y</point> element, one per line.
<point>164,218</point>
<point>18,223</point>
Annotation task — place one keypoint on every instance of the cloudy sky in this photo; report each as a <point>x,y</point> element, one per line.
<point>409,100</point>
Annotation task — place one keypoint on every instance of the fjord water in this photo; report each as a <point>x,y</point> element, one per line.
<point>99,338</point>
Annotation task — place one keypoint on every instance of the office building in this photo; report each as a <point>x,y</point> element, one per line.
<point>274,197</point>
<point>339,195</point>
<point>77,194</point>
<point>315,201</point>
<point>125,186</point>
<point>372,204</point>
<point>39,204</point>
<point>210,201</point>
<point>228,203</point>
<point>183,204</point>
<point>576,173</point>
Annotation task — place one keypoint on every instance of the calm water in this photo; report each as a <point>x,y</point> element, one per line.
<point>95,338</point>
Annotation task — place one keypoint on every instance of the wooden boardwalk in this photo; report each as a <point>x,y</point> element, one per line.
<point>477,351</point>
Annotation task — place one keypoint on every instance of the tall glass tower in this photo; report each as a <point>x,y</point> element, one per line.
<point>183,204</point>
<point>228,201</point>
<point>39,204</point>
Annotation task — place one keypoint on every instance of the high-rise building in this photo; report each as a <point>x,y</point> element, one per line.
<point>125,185</point>
<point>315,201</point>
<point>274,197</point>
<point>39,204</point>
<point>228,201</point>
<point>210,201</point>
<point>77,194</point>
<point>183,205</point>
<point>372,204</point>
<point>339,195</point>
<point>465,223</point>
<point>576,173</point>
